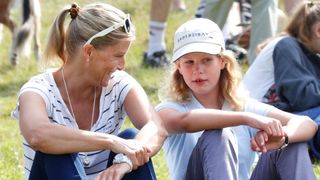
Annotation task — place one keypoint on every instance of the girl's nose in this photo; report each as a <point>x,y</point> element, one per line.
<point>198,68</point>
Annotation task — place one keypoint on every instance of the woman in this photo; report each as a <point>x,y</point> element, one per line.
<point>204,81</point>
<point>286,75</point>
<point>70,118</point>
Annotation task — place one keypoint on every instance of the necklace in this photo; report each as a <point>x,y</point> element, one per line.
<point>85,160</point>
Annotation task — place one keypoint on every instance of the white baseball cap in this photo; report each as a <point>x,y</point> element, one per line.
<point>198,35</point>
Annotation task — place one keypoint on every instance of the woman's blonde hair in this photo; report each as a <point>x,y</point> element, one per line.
<point>229,84</point>
<point>84,24</point>
<point>302,21</point>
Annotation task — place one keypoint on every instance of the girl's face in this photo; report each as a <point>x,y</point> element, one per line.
<point>201,71</point>
<point>106,60</point>
<point>315,41</point>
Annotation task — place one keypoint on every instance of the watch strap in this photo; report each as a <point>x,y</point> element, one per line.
<point>285,143</point>
<point>121,158</point>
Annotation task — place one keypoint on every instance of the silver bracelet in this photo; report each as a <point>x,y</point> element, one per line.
<point>121,158</point>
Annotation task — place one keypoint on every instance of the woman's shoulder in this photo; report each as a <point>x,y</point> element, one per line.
<point>119,76</point>
<point>43,79</point>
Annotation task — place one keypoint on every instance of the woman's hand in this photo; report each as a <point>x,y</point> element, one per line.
<point>271,126</point>
<point>137,152</point>
<point>261,142</point>
<point>114,172</point>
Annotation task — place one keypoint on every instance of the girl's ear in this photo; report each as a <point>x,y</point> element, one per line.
<point>177,64</point>
<point>223,62</point>
<point>316,29</point>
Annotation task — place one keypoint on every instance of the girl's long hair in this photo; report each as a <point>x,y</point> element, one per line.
<point>300,26</point>
<point>229,84</point>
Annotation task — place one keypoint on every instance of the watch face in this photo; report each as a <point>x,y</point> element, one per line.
<point>117,158</point>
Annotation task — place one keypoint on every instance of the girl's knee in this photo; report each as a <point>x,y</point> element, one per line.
<point>222,137</point>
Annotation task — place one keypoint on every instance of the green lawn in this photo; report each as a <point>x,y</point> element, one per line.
<point>12,78</point>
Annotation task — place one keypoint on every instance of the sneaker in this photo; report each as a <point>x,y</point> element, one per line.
<point>157,59</point>
<point>239,52</point>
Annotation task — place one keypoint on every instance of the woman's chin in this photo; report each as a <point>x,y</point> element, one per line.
<point>104,82</point>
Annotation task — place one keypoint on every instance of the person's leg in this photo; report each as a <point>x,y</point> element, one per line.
<point>145,172</point>
<point>216,10</point>
<point>48,166</point>
<point>155,55</point>
<point>263,24</point>
<point>292,162</point>
<point>179,5</point>
<point>314,143</point>
<point>214,156</point>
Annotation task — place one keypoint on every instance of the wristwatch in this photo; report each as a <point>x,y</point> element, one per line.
<point>121,158</point>
<point>285,143</point>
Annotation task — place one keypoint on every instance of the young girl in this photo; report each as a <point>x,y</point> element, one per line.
<point>205,80</point>
<point>287,69</point>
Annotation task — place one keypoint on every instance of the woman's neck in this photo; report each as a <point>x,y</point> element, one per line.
<point>75,81</point>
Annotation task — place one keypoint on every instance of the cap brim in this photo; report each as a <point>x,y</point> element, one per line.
<point>196,47</point>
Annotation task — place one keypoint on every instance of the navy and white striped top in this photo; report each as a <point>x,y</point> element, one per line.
<point>111,115</point>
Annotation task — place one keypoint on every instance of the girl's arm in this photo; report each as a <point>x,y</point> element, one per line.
<point>202,119</point>
<point>298,128</point>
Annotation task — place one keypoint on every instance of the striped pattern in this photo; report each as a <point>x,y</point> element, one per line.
<point>111,115</point>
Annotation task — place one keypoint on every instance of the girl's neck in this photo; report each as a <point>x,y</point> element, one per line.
<point>209,100</point>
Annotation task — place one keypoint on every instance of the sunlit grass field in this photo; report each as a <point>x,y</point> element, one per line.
<point>12,78</point>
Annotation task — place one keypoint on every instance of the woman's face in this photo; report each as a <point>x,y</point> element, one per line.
<point>201,71</point>
<point>108,59</point>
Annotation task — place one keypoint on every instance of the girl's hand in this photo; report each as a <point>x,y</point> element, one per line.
<point>261,142</point>
<point>137,152</point>
<point>258,142</point>
<point>271,126</point>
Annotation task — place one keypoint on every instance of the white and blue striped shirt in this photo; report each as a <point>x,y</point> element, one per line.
<point>111,115</point>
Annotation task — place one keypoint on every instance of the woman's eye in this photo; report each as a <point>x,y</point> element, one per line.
<point>119,56</point>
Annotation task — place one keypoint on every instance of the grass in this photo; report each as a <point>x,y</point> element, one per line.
<point>12,78</point>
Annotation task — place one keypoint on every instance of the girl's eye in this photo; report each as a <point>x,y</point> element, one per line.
<point>207,60</point>
<point>189,62</point>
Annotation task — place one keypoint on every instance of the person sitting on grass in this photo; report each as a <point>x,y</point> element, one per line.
<point>286,74</point>
<point>215,129</point>
<point>71,118</point>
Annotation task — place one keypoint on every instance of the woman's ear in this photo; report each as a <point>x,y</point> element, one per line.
<point>86,51</point>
